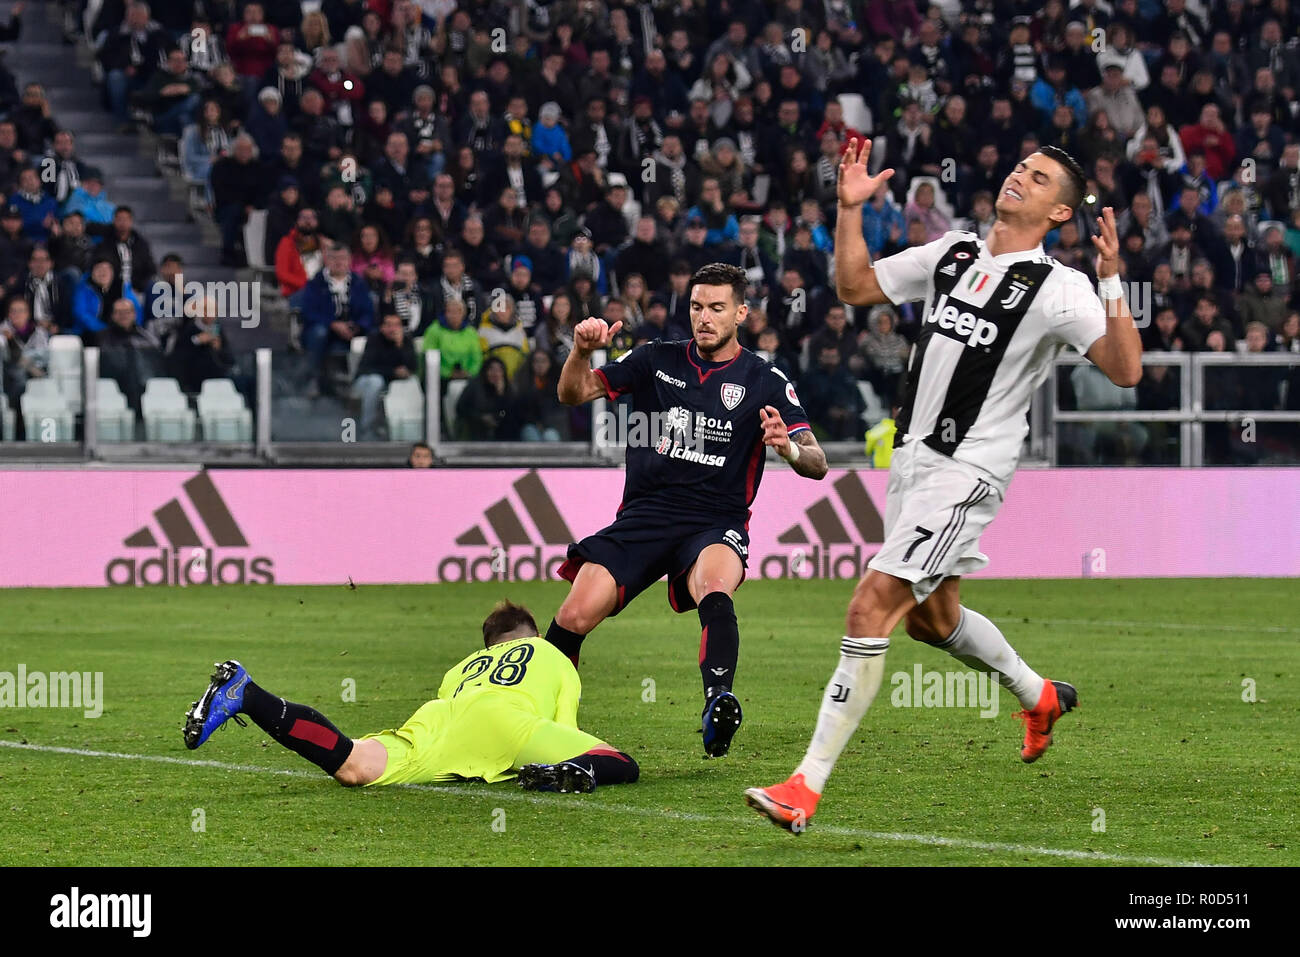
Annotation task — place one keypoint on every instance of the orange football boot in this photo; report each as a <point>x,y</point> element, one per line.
<point>789,805</point>
<point>1057,698</point>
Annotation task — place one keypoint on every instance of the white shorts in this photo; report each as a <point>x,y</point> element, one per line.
<point>936,509</point>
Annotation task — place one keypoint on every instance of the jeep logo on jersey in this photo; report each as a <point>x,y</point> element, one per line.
<point>732,395</point>
<point>965,326</point>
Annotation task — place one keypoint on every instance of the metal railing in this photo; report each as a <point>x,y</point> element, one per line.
<point>1050,425</point>
<point>1191,416</point>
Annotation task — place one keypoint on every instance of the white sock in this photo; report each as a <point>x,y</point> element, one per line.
<point>848,695</point>
<point>976,641</point>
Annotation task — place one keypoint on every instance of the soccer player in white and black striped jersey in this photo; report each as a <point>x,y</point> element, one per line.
<point>997,312</point>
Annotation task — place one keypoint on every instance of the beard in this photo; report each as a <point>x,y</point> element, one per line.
<point>723,341</point>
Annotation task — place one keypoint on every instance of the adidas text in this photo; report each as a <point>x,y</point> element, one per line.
<point>816,561</point>
<point>173,566</point>
<point>498,565</point>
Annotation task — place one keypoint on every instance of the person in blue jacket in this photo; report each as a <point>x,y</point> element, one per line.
<point>89,199</point>
<point>92,302</point>
<point>336,307</point>
<point>550,141</point>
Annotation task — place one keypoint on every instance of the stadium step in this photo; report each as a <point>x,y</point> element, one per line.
<point>92,146</point>
<point>183,233</point>
<point>190,253</point>
<point>115,167</point>
<point>128,162</point>
<point>66,97</point>
<point>85,121</point>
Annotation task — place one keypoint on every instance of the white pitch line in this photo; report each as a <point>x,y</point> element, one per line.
<point>497,794</point>
<point>1174,625</point>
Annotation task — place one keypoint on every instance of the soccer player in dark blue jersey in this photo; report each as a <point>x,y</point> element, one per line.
<point>703,410</point>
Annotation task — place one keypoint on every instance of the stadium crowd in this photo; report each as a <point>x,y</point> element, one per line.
<point>493,172</point>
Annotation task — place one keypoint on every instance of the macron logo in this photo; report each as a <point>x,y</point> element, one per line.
<point>132,911</point>
<point>962,326</point>
<point>660,374</point>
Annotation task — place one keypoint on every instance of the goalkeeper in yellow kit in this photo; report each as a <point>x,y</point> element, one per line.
<point>508,710</point>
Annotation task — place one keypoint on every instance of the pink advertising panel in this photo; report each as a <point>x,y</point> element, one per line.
<point>72,528</point>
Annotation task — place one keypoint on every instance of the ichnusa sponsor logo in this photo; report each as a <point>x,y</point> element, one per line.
<point>515,552</point>
<point>834,552</point>
<point>185,559</point>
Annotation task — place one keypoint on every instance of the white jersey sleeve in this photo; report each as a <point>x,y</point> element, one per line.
<point>907,276</point>
<point>1077,316</point>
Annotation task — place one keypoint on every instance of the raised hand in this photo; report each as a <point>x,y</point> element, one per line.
<point>594,333</point>
<point>856,185</point>
<point>774,430</point>
<point>1107,244</point>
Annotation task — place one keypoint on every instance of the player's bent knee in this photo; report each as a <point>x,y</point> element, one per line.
<point>878,602</point>
<point>365,764</point>
<point>920,628</point>
<point>577,619</point>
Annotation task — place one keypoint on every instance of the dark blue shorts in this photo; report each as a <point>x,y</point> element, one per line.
<point>641,547</point>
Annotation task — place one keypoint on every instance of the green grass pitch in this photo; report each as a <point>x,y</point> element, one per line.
<point>1164,745</point>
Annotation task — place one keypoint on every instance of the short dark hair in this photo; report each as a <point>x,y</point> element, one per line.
<point>723,274</point>
<point>418,445</point>
<point>505,618</point>
<point>1077,183</point>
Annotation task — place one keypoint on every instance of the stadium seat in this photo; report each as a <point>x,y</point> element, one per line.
<point>940,197</point>
<point>452,396</point>
<point>404,409</point>
<point>46,415</point>
<point>114,421</point>
<point>65,368</point>
<point>223,412</point>
<point>356,346</point>
<point>167,414</point>
<point>873,409</point>
<point>856,112</point>
<point>44,390</point>
<point>8,419</point>
<point>255,240</point>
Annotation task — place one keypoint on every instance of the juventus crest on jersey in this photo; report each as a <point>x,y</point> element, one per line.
<point>992,326</point>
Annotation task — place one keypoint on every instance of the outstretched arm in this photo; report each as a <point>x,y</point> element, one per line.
<point>1119,352</point>
<point>801,450</point>
<point>855,277</point>
<point>578,381</point>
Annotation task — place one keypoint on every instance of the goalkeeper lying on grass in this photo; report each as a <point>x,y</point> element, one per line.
<point>510,709</point>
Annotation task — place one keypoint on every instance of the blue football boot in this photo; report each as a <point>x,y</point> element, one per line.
<point>223,700</point>
<point>720,722</point>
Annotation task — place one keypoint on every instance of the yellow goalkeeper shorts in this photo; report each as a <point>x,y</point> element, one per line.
<point>482,734</point>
